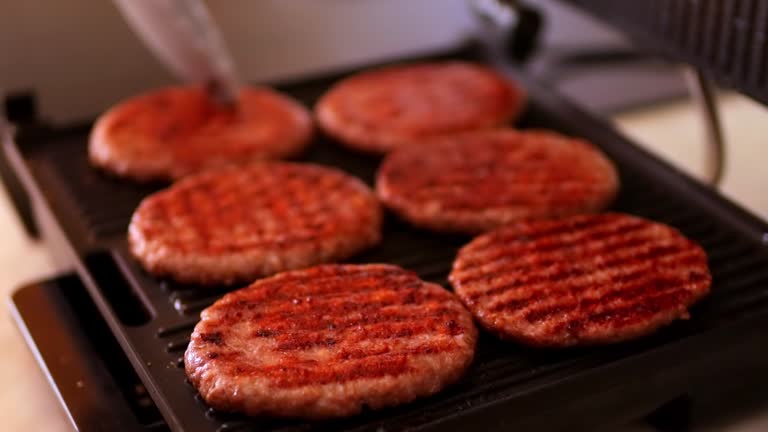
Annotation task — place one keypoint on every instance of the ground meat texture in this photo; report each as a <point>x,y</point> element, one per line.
<point>379,110</point>
<point>478,181</point>
<point>172,132</point>
<point>236,224</point>
<point>582,280</point>
<point>329,340</point>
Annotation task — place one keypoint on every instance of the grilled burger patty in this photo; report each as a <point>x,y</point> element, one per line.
<point>380,109</point>
<point>171,132</point>
<point>328,340</point>
<point>237,224</point>
<point>477,181</point>
<point>581,280</point>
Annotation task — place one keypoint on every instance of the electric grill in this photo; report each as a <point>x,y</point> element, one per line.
<point>111,337</point>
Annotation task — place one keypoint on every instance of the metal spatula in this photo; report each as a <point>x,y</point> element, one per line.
<point>182,34</point>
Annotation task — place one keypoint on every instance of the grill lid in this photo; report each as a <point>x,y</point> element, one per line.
<point>726,39</point>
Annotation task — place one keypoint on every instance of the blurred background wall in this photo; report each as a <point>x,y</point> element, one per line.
<point>79,56</point>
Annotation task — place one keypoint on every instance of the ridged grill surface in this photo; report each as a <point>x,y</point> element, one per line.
<point>102,207</point>
<point>102,203</point>
<point>727,39</point>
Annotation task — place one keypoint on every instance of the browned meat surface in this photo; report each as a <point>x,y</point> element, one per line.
<point>581,280</point>
<point>478,181</point>
<point>171,132</point>
<point>237,224</point>
<point>381,109</point>
<point>328,340</point>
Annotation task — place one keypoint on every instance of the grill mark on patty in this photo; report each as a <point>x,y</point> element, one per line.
<point>381,331</point>
<point>532,275</point>
<point>511,155</point>
<point>593,283</point>
<point>298,221</point>
<point>513,182</point>
<point>616,264</point>
<point>141,140</point>
<point>637,288</point>
<point>371,111</point>
<point>509,244</point>
<point>292,313</point>
<point>214,338</point>
<point>318,285</point>
<point>546,244</point>
<point>287,306</point>
<point>548,256</point>
<point>314,322</point>
<point>636,292</point>
<point>305,310</point>
<point>352,303</point>
<point>406,329</point>
<point>433,347</point>
<point>547,229</point>
<point>489,199</point>
<point>573,287</point>
<point>470,174</point>
<point>480,166</point>
<point>224,355</point>
<point>356,365</point>
<point>543,313</point>
<point>328,293</point>
<point>633,313</point>
<point>453,183</point>
<point>296,216</point>
<point>295,343</point>
<point>287,376</point>
<point>387,329</point>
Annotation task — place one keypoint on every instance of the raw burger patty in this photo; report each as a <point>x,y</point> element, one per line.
<point>378,110</point>
<point>326,341</point>
<point>582,280</point>
<point>480,180</point>
<point>169,133</point>
<point>237,224</point>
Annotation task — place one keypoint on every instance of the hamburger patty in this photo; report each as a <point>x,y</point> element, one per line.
<point>378,110</point>
<point>328,340</point>
<point>171,132</point>
<point>237,224</point>
<point>582,280</point>
<point>481,180</point>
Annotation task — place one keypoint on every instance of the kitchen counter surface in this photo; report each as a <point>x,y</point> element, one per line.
<point>29,404</point>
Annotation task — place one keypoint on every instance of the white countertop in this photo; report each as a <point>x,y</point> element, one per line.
<point>26,400</point>
<point>674,131</point>
<point>29,404</point>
